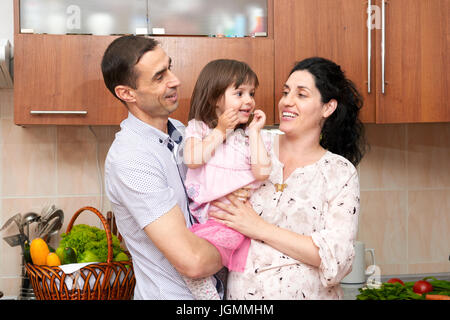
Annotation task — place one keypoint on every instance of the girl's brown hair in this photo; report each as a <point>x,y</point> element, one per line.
<point>213,81</point>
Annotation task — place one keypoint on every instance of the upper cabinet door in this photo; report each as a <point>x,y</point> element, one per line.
<point>417,63</point>
<point>58,80</point>
<point>333,29</point>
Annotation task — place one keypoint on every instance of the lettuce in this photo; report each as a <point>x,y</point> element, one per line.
<point>89,242</point>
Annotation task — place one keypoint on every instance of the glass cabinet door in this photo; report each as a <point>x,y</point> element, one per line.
<point>99,17</point>
<point>230,18</point>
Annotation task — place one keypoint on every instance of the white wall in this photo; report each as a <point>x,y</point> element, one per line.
<point>7,20</point>
<point>7,26</point>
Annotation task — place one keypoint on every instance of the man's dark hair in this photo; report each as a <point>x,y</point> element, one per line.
<point>120,58</point>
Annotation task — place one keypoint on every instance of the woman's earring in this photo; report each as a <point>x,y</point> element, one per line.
<point>320,137</point>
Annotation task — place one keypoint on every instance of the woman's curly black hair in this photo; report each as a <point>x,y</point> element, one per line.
<point>343,132</point>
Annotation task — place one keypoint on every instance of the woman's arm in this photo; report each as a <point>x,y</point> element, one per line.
<point>245,220</point>
<point>330,249</point>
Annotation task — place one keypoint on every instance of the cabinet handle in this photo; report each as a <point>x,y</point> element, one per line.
<point>369,45</point>
<point>383,44</point>
<point>40,112</point>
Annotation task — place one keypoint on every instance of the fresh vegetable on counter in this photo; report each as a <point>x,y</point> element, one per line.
<point>396,289</point>
<point>388,291</point>
<point>439,287</point>
<point>395,280</point>
<point>422,287</point>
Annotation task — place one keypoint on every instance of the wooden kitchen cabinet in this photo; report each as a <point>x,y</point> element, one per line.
<point>417,63</point>
<point>333,29</point>
<point>62,73</point>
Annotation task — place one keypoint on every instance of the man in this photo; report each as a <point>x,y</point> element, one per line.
<point>144,178</point>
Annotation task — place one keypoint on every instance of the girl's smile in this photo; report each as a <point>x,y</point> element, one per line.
<point>242,99</point>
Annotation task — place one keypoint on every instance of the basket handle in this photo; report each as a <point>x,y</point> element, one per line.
<point>105,226</point>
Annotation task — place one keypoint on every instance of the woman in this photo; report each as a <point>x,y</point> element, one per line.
<point>304,218</point>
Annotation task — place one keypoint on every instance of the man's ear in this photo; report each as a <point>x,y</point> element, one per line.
<point>125,93</point>
<point>329,108</point>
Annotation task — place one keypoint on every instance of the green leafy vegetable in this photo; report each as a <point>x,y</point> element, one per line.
<point>388,291</point>
<point>397,291</point>
<point>89,242</point>
<point>88,256</point>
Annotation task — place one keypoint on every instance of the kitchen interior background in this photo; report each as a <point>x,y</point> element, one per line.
<point>405,184</point>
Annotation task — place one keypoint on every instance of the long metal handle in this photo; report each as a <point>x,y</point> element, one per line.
<point>369,45</point>
<point>383,44</point>
<point>40,112</point>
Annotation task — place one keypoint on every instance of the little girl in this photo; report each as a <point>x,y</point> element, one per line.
<point>225,154</point>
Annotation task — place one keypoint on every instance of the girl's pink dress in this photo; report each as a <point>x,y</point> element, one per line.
<point>227,170</point>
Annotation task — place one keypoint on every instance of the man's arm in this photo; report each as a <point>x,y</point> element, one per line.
<point>191,256</point>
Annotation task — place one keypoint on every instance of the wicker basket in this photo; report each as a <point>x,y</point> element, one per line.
<point>99,281</point>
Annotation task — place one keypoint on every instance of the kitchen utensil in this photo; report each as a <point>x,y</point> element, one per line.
<point>27,219</point>
<point>16,240</point>
<point>17,218</point>
<point>51,228</point>
<point>47,210</point>
<point>359,273</point>
<point>46,224</point>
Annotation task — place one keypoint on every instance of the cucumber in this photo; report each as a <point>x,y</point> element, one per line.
<point>26,253</point>
<point>69,256</point>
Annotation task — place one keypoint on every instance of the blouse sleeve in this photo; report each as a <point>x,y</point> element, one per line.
<point>196,129</point>
<point>335,240</point>
<point>268,139</point>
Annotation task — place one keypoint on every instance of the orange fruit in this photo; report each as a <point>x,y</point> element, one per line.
<point>53,260</point>
<point>39,251</point>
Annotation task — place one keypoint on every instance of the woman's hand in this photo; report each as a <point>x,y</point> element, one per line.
<point>241,217</point>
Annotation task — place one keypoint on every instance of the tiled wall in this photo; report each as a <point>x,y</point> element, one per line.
<point>405,197</point>
<point>41,166</point>
<point>405,188</point>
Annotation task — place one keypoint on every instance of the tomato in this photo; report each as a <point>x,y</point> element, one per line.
<point>422,286</point>
<point>394,280</point>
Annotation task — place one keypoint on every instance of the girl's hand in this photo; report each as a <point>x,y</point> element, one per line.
<point>240,217</point>
<point>228,120</point>
<point>258,122</point>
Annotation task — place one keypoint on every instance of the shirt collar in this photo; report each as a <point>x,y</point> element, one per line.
<point>149,132</point>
